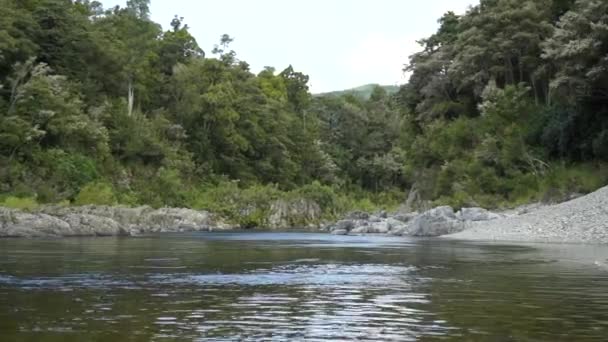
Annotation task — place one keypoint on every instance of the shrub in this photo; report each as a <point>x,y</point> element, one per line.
<point>98,193</point>
<point>23,203</point>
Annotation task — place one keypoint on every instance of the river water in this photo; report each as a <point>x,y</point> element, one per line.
<point>299,286</point>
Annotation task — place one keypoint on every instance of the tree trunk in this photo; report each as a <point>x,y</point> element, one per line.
<point>534,89</point>
<point>130,98</point>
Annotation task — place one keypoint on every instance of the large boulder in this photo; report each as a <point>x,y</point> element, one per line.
<point>103,221</point>
<point>395,224</point>
<point>175,219</point>
<point>360,230</point>
<point>476,214</point>
<point>345,225</point>
<point>339,232</point>
<point>15,223</point>
<point>381,227</point>
<point>86,225</point>
<point>436,222</point>
<point>405,217</point>
<point>294,213</point>
<point>357,215</point>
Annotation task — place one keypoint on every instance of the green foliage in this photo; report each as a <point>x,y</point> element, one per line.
<point>22,203</point>
<point>505,104</point>
<point>363,92</point>
<point>248,207</point>
<point>97,193</point>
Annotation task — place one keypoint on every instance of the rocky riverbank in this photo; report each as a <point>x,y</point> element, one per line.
<point>55,221</point>
<point>582,220</point>
<point>435,222</point>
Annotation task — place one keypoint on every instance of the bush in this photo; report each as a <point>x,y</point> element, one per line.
<point>323,195</point>
<point>23,203</point>
<point>98,193</point>
<point>248,207</point>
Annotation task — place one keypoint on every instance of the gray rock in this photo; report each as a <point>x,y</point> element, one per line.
<point>344,225</point>
<point>357,215</point>
<point>476,214</point>
<point>103,221</point>
<point>361,223</point>
<point>379,228</point>
<point>436,222</point>
<point>374,218</point>
<point>16,223</point>
<point>400,231</point>
<point>582,220</point>
<point>294,213</point>
<point>445,211</point>
<point>395,224</point>
<point>175,220</point>
<point>360,230</point>
<point>87,225</point>
<point>339,232</point>
<point>405,217</point>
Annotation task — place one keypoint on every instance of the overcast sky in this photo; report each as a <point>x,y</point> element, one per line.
<point>340,43</point>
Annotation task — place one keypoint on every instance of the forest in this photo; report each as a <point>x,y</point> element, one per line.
<point>506,104</point>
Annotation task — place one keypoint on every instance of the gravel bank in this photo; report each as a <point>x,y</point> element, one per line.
<point>582,220</point>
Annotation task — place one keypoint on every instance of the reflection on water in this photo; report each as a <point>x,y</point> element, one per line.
<point>290,286</point>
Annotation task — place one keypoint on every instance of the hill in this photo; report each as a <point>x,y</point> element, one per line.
<point>364,92</point>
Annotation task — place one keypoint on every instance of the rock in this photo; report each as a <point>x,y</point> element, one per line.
<point>395,224</point>
<point>16,223</point>
<point>344,225</point>
<point>294,213</point>
<point>360,230</point>
<point>379,228</point>
<point>357,215</point>
<point>103,221</point>
<point>361,223</point>
<point>436,222</point>
<point>175,220</point>
<point>405,217</point>
<point>476,214</point>
<point>339,232</point>
<point>414,200</point>
<point>400,231</point>
<point>86,225</point>
<point>382,214</point>
<point>374,218</point>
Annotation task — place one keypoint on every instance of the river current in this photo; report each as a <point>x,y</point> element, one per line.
<point>241,286</point>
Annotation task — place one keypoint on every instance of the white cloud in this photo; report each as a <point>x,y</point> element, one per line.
<point>380,58</point>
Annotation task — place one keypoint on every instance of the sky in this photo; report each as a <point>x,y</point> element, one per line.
<point>340,44</point>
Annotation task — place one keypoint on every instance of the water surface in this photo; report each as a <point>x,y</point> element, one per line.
<point>299,286</point>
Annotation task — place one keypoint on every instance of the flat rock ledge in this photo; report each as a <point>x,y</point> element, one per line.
<point>55,221</point>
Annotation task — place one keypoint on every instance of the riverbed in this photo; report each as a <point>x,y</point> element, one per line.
<point>299,286</point>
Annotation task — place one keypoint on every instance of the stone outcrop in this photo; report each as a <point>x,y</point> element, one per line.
<point>476,214</point>
<point>299,213</point>
<point>435,222</point>
<point>54,221</point>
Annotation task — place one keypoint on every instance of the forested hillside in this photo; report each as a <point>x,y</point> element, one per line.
<point>506,104</point>
<point>363,92</point>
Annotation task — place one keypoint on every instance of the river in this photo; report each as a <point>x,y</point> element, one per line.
<point>299,286</point>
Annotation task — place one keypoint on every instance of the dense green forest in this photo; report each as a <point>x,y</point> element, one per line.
<point>506,104</point>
